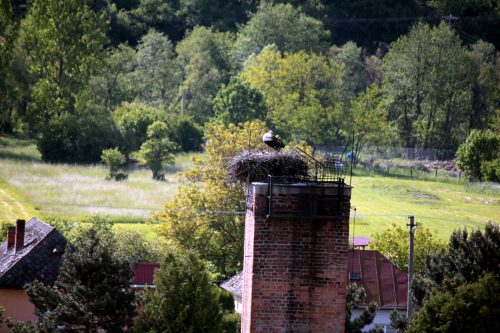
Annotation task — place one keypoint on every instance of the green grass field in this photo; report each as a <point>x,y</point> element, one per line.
<point>29,187</point>
<point>440,206</point>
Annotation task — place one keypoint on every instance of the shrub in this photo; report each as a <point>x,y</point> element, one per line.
<point>479,156</point>
<point>113,158</point>
<point>186,134</point>
<point>157,150</point>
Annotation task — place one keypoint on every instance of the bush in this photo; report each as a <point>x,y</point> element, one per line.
<point>113,158</point>
<point>77,138</point>
<point>479,156</point>
<point>186,134</point>
<point>132,121</point>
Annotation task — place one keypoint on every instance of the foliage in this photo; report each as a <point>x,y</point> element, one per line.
<point>203,55</point>
<point>369,119</point>
<point>282,25</point>
<point>399,321</point>
<point>479,156</point>
<point>64,47</point>
<point>157,74</point>
<point>393,243</point>
<point>91,292</point>
<point>78,137</point>
<point>484,71</point>
<point>473,307</point>
<point>355,296</point>
<point>132,121</point>
<point>201,217</point>
<point>7,33</point>
<point>113,158</point>
<point>157,149</point>
<point>133,247</point>
<point>186,134</point>
<point>426,85</point>
<point>238,102</point>
<point>468,257</point>
<point>302,92</point>
<point>183,300</point>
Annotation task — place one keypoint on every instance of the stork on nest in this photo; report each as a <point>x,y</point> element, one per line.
<point>272,141</point>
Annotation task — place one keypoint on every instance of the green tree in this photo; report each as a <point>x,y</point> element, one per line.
<point>302,92</point>
<point>7,30</point>
<point>157,149</point>
<point>393,243</point>
<point>238,102</point>
<point>186,134</point>
<point>132,121</point>
<point>354,78</point>
<point>479,156</point>
<point>113,158</point>
<point>157,73</point>
<point>203,55</point>
<point>426,84</point>
<point>485,75</point>
<point>132,246</point>
<point>473,307</point>
<point>282,25</point>
<point>183,300</point>
<point>191,219</point>
<point>355,296</point>
<point>468,257</point>
<point>369,119</point>
<point>91,292</point>
<point>64,48</point>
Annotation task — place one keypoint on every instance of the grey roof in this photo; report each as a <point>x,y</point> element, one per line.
<point>39,258</point>
<point>234,284</point>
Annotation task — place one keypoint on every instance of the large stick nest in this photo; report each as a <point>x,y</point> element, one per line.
<point>250,166</point>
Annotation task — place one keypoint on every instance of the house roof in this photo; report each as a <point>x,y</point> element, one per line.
<point>360,241</point>
<point>38,259</point>
<point>234,284</point>
<point>144,274</point>
<point>384,284</point>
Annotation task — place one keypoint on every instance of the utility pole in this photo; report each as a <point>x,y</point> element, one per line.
<point>450,18</point>
<point>413,226</point>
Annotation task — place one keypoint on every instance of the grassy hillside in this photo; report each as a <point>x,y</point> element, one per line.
<point>442,207</point>
<point>75,191</point>
<point>29,187</point>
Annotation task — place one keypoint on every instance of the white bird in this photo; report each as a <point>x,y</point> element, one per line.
<point>272,141</point>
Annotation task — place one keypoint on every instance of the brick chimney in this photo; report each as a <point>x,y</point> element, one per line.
<point>295,263</point>
<point>11,236</point>
<point>20,226</point>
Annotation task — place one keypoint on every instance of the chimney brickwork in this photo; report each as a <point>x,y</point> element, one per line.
<point>11,236</point>
<point>295,265</point>
<point>20,228</point>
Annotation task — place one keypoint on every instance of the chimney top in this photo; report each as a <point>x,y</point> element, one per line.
<point>19,238</point>
<point>11,236</point>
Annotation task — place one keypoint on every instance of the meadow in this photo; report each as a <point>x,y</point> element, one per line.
<point>30,187</point>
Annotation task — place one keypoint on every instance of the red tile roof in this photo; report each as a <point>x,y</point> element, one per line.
<point>384,283</point>
<point>144,274</point>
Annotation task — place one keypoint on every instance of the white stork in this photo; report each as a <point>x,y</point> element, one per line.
<point>272,141</point>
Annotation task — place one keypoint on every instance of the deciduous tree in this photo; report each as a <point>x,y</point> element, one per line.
<point>393,243</point>
<point>203,216</point>
<point>282,25</point>
<point>238,102</point>
<point>302,92</point>
<point>157,149</point>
